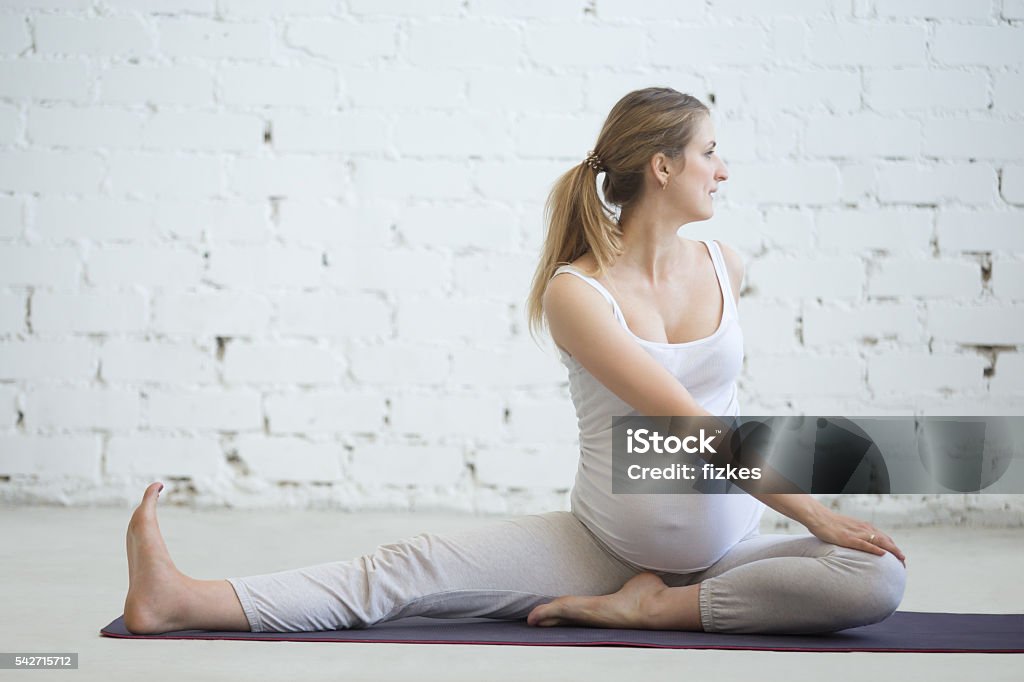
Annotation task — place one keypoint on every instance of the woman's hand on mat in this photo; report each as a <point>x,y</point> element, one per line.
<point>846,531</point>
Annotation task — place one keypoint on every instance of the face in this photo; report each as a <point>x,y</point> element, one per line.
<point>691,185</point>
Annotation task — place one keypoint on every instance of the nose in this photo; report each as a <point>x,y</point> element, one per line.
<point>722,174</point>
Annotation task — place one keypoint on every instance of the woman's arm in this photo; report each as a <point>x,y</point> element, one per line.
<point>821,521</point>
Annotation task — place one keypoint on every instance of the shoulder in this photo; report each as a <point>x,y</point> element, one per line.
<point>735,267</point>
<point>567,291</point>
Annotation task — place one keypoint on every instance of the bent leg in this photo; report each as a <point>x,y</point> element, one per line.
<point>796,585</point>
<point>502,570</point>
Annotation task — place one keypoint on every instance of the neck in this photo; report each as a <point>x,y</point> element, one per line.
<point>650,244</point>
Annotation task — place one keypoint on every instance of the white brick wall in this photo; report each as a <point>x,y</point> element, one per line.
<point>262,246</point>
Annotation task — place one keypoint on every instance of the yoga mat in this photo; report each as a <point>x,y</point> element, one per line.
<point>904,631</point>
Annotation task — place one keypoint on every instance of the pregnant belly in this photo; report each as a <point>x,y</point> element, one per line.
<point>674,533</point>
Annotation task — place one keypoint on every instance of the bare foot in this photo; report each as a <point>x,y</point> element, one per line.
<point>157,590</point>
<point>623,609</point>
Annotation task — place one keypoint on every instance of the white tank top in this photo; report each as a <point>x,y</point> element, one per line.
<point>678,533</point>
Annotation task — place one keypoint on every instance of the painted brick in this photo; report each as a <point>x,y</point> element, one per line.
<point>346,132</point>
<point>399,364</point>
<point>319,314</point>
<point>1008,279</point>
<point>446,44</point>
<point>44,80</point>
<point>808,374</point>
<point>50,457</point>
<point>932,9</point>
<point>33,360</point>
<point>980,231</point>
<point>988,325</point>
<point>325,411</point>
<point>961,139</point>
<point>59,218</point>
<point>265,267</point>
<point>63,126</point>
<point>200,37</point>
<point>838,44</point>
<point>395,464</point>
<point>166,363</point>
<point>924,278</point>
<point>8,406</point>
<point>1008,91</point>
<point>411,89</point>
<point>300,365</point>
<point>447,416</point>
<point>51,171</point>
<point>703,47</point>
<point>313,222</point>
<point>443,320</point>
<point>289,176</point>
<point>543,421</point>
<point>986,45</point>
<point>917,89</point>
<point>95,36</point>
<point>526,92</point>
<point>58,266</point>
<point>156,457</point>
<point>549,466</point>
<point>459,227</point>
<point>178,84</point>
<point>290,459</point>
<point>93,313</point>
<point>904,183</point>
<point>1012,184</point>
<point>890,230</point>
<point>344,43</point>
<point>114,265</point>
<point>784,183</point>
<point>1009,374</point>
<point>11,222</point>
<point>775,277</point>
<point>247,85</point>
<point>164,175</point>
<point>210,314</point>
<point>863,135</point>
<point>768,326</point>
<point>915,374</point>
<point>81,408</point>
<point>210,409</point>
<point>867,323</point>
<point>13,312</point>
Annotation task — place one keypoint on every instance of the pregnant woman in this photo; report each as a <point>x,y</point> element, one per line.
<point>646,323</point>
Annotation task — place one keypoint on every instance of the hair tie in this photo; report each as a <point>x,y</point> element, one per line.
<point>594,161</point>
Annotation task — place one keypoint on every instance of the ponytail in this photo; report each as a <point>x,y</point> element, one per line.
<point>577,222</point>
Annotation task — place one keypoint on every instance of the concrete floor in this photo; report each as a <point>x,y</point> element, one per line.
<point>64,576</point>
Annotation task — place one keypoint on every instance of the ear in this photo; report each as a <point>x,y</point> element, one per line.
<point>660,166</point>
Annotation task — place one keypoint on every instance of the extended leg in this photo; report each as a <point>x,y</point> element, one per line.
<point>502,570</point>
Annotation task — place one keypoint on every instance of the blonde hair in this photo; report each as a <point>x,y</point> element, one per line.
<point>640,125</point>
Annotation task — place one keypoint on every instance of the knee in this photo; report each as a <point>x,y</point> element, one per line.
<point>881,580</point>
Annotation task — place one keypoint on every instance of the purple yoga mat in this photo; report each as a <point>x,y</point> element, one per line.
<point>904,631</point>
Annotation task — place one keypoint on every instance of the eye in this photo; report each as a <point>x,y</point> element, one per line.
<point>710,153</point>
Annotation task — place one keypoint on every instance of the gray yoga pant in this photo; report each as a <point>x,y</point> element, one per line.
<point>794,584</point>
